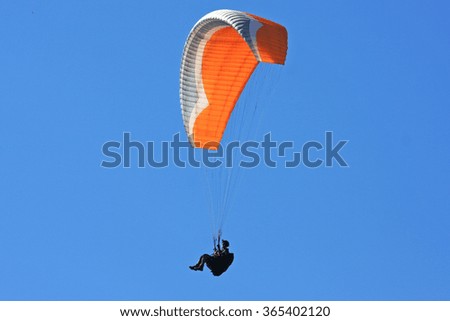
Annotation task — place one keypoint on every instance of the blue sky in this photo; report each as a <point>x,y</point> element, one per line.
<point>75,74</point>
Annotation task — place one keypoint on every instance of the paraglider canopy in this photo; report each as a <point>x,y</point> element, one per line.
<point>220,54</point>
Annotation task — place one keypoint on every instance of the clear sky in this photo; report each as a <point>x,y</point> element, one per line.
<point>75,74</point>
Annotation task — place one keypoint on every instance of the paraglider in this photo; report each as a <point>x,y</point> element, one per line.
<point>220,55</point>
<point>218,262</point>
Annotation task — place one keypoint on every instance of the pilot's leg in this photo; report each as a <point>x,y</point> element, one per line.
<point>199,266</point>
